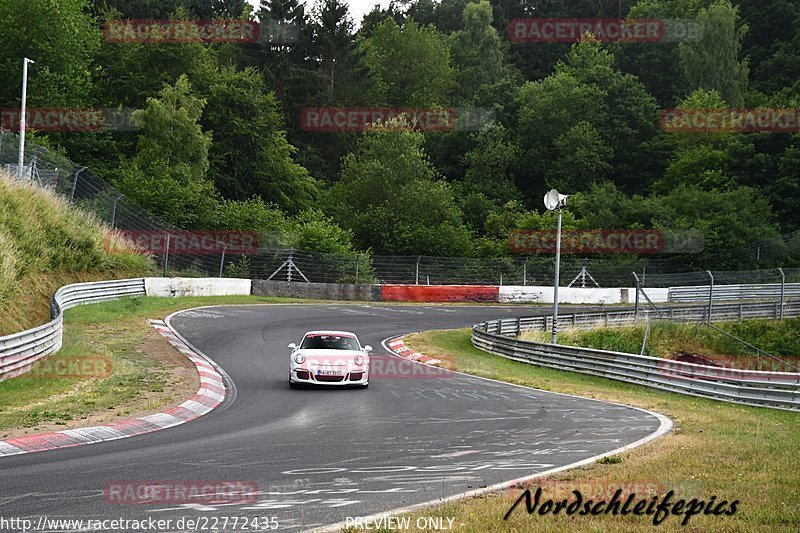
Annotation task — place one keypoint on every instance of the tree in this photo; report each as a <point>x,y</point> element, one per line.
<point>410,65</point>
<point>249,154</point>
<point>377,15</point>
<point>713,62</point>
<point>390,196</point>
<point>315,232</point>
<point>700,159</point>
<point>478,52</point>
<point>785,189</point>
<point>587,88</point>
<point>657,65</point>
<point>168,174</point>
<point>132,72</point>
<point>582,157</point>
<point>61,38</point>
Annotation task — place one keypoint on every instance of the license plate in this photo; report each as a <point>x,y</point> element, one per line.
<point>329,373</point>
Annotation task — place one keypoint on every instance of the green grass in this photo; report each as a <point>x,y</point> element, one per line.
<point>115,332</point>
<point>670,339</point>
<point>135,380</point>
<point>717,449</point>
<point>45,244</point>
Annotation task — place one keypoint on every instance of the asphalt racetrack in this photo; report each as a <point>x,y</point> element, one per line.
<point>319,456</point>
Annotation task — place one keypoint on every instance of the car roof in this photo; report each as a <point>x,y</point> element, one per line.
<point>330,332</point>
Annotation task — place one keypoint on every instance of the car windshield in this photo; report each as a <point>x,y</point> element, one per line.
<point>329,342</point>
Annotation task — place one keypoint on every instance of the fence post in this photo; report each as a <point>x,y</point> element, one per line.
<point>114,211</point>
<point>416,278</point>
<point>166,256</point>
<point>783,289</point>
<point>646,335</point>
<point>222,261</point>
<point>75,183</point>
<point>710,295</point>
<point>636,306</point>
<point>358,255</point>
<point>525,272</point>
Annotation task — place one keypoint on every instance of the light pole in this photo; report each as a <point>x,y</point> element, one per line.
<point>552,201</point>
<point>25,62</point>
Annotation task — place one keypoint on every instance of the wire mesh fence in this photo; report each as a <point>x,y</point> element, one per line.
<point>81,188</point>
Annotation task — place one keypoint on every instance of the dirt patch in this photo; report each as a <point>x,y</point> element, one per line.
<point>157,347</point>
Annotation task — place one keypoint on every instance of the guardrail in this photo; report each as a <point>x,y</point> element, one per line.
<point>779,390</point>
<point>19,351</point>
<point>701,293</point>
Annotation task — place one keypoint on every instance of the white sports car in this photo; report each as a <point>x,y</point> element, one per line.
<point>329,358</point>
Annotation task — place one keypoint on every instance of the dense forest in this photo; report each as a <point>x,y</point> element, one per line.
<point>220,141</point>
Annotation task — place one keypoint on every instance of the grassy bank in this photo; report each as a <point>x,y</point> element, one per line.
<point>45,244</point>
<point>672,339</point>
<point>717,449</point>
<point>125,368</point>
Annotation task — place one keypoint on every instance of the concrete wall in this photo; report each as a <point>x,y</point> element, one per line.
<point>319,291</point>
<point>576,295</point>
<point>408,293</point>
<point>196,286</point>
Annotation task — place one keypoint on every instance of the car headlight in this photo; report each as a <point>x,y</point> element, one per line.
<point>299,358</point>
<point>358,360</point>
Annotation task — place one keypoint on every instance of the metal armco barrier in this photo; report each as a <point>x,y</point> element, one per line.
<point>780,390</point>
<point>700,293</point>
<point>20,350</point>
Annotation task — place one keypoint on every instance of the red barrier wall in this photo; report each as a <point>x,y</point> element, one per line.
<point>439,293</point>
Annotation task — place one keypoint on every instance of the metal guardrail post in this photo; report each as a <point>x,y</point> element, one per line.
<point>710,295</point>
<point>783,290</point>
<point>357,258</point>
<point>636,307</point>
<point>416,277</point>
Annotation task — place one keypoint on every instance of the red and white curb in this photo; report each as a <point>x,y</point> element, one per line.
<point>398,346</point>
<point>210,394</point>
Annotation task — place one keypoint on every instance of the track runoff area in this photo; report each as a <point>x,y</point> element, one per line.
<point>273,458</point>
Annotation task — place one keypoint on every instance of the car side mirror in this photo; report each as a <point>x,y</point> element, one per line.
<point>292,346</point>
<point>367,348</point>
